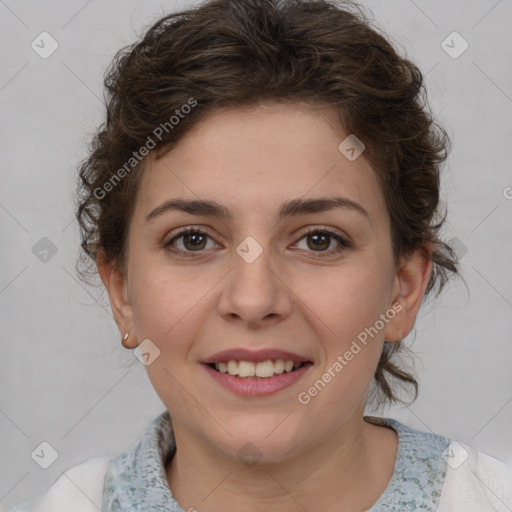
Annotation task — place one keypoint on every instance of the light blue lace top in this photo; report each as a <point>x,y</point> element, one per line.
<point>136,480</point>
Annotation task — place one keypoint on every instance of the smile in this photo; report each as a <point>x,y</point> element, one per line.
<point>263,369</point>
<point>249,379</point>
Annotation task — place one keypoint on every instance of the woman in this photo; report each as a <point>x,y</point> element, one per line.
<point>262,205</point>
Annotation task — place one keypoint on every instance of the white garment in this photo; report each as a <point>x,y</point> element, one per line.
<point>480,483</point>
<point>79,489</point>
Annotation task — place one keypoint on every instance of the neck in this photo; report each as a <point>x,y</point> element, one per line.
<point>347,471</point>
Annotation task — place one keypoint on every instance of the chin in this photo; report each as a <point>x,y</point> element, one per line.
<point>263,444</point>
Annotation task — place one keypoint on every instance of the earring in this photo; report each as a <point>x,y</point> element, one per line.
<point>125,337</point>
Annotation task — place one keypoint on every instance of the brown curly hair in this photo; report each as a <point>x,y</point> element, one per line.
<point>243,52</point>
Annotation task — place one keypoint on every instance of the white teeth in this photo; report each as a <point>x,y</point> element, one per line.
<point>232,367</point>
<point>279,366</point>
<point>263,369</point>
<point>246,369</point>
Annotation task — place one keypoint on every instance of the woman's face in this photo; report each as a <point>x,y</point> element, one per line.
<point>256,281</point>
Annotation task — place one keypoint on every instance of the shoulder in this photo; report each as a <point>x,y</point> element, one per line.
<point>449,476</point>
<point>79,489</point>
<point>475,481</point>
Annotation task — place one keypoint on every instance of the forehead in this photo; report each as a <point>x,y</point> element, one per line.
<point>251,159</point>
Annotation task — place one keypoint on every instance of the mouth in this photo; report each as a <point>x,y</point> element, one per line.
<point>253,373</point>
<point>252,379</point>
<point>257,370</point>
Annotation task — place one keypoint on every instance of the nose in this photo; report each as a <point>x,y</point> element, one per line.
<point>255,293</point>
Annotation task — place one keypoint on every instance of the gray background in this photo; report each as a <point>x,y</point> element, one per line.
<point>65,377</point>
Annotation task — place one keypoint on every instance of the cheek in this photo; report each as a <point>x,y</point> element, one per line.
<point>346,304</point>
<point>345,300</point>
<point>166,311</point>
<point>170,307</point>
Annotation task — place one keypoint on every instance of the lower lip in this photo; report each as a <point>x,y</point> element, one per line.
<point>247,386</point>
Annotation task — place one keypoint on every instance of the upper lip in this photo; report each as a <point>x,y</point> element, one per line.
<point>256,356</point>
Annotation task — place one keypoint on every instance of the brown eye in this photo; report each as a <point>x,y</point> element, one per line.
<point>194,241</point>
<point>319,240</point>
<point>190,239</point>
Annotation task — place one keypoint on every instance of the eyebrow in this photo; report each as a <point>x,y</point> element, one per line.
<point>291,208</point>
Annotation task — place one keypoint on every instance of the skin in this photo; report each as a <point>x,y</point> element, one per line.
<point>319,456</point>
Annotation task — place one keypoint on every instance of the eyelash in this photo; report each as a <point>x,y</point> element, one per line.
<point>344,244</point>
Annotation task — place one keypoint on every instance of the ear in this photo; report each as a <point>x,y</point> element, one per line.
<point>409,287</point>
<point>116,284</point>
